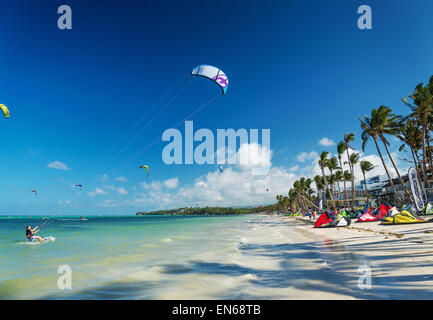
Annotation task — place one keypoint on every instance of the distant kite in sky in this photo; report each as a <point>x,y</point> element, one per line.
<point>36,193</point>
<point>267,190</point>
<point>5,110</point>
<point>212,73</point>
<point>80,186</point>
<point>146,168</point>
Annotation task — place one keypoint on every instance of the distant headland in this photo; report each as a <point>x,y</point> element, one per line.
<point>203,211</point>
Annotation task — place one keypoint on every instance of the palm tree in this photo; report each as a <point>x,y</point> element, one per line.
<point>322,163</point>
<point>332,164</point>
<point>366,166</point>
<point>341,147</point>
<point>339,177</point>
<point>347,176</point>
<point>422,111</point>
<point>319,185</point>
<point>302,192</point>
<point>370,130</point>
<point>410,134</point>
<point>331,180</point>
<point>348,138</point>
<point>283,203</point>
<point>292,197</point>
<point>354,158</point>
<point>387,123</point>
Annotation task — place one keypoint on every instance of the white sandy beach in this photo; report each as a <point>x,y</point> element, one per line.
<point>400,257</point>
<point>286,258</point>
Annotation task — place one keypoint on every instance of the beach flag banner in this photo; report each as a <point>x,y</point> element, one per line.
<point>416,189</point>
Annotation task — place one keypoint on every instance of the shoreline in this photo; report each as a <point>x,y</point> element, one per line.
<point>399,257</point>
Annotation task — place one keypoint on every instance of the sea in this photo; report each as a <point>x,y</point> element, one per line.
<point>162,257</point>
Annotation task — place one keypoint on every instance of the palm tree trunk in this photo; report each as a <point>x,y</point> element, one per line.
<point>344,180</point>
<point>429,156</point>
<point>424,164</point>
<point>396,170</point>
<point>365,186</point>
<point>332,186</point>
<point>352,180</point>
<point>319,195</point>
<point>386,169</point>
<point>327,188</point>
<point>309,201</point>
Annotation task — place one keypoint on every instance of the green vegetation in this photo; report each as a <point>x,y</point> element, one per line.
<point>192,211</point>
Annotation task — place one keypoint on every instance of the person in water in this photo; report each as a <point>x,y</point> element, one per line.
<point>30,234</point>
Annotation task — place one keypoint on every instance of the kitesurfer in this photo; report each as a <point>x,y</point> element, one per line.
<point>30,234</point>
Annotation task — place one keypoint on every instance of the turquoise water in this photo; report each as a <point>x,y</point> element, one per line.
<point>172,257</point>
<point>111,257</point>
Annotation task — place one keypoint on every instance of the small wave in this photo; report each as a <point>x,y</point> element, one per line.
<point>36,243</point>
<point>250,276</point>
<point>28,243</point>
<point>167,240</point>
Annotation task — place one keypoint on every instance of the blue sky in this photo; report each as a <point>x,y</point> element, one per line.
<point>300,68</point>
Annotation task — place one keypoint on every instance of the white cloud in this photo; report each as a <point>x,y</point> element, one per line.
<point>230,188</point>
<point>326,142</point>
<point>237,186</point>
<point>98,191</point>
<point>171,183</point>
<point>120,179</point>
<point>122,191</point>
<point>154,185</point>
<point>294,168</point>
<point>58,165</point>
<point>303,156</point>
